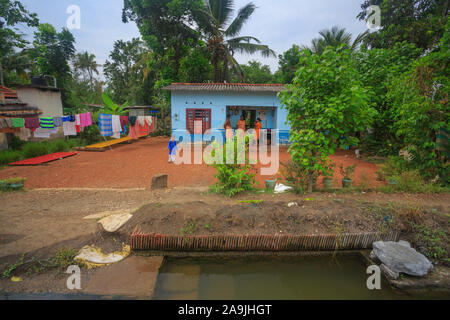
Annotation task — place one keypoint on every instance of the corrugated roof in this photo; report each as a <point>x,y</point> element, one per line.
<point>226,87</point>
<point>8,93</point>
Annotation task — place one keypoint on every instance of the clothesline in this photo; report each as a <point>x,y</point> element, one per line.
<point>109,125</point>
<point>114,125</point>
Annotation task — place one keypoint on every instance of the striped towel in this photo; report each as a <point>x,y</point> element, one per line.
<point>105,125</point>
<point>46,123</point>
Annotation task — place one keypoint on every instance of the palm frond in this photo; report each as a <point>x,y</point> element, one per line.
<point>247,39</point>
<point>251,48</point>
<point>236,67</point>
<point>222,11</point>
<point>243,15</point>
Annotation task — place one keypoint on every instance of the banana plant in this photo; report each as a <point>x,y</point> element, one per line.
<point>112,108</point>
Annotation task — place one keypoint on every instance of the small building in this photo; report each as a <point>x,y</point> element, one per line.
<point>209,104</point>
<point>47,99</point>
<point>12,107</point>
<point>142,111</point>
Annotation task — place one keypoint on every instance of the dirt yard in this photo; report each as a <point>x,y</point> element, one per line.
<point>134,165</point>
<point>39,222</point>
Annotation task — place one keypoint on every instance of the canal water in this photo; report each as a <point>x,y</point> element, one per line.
<point>273,278</point>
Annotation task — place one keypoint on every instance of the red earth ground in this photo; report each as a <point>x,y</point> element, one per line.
<point>134,165</point>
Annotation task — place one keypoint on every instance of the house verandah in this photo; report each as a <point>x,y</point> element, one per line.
<point>202,108</point>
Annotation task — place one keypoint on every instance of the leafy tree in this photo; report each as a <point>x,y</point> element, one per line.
<point>127,72</point>
<point>420,99</point>
<point>378,67</point>
<point>52,52</point>
<point>288,64</point>
<point>85,64</point>
<point>327,105</point>
<point>13,13</point>
<point>421,22</point>
<point>16,66</point>
<point>255,72</point>
<point>166,27</point>
<point>223,37</point>
<point>195,66</point>
<point>335,37</point>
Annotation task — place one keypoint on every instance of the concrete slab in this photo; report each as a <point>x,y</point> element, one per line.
<point>134,277</point>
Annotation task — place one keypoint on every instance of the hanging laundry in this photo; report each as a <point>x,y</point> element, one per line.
<point>143,130</point>
<point>32,123</point>
<point>105,124</point>
<point>18,122</point>
<point>46,123</point>
<point>124,122</point>
<point>132,120</point>
<point>69,128</point>
<point>85,119</point>
<point>57,121</point>
<point>116,127</point>
<point>141,120</point>
<point>5,123</point>
<point>42,133</point>
<point>65,118</point>
<point>72,118</point>
<point>24,133</point>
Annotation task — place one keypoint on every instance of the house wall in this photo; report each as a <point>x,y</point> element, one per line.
<point>218,103</point>
<point>49,101</point>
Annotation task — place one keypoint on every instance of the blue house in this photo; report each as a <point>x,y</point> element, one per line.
<point>198,107</point>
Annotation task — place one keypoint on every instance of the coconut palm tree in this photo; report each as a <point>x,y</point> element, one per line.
<point>335,37</point>
<point>85,62</point>
<point>17,62</point>
<point>223,39</point>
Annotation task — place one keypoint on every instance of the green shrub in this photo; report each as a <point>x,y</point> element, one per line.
<point>232,178</point>
<point>412,182</point>
<point>35,149</point>
<point>59,145</point>
<point>8,156</point>
<point>16,143</point>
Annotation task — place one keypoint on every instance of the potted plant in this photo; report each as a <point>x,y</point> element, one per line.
<point>347,174</point>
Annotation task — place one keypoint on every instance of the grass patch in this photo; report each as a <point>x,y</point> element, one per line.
<point>62,259</point>
<point>8,156</point>
<point>190,227</point>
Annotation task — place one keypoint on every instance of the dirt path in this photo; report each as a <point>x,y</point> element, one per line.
<point>134,165</point>
<point>36,219</point>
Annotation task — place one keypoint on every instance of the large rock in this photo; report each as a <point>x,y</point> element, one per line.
<point>399,257</point>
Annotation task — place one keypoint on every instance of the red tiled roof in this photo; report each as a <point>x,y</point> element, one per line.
<point>226,87</point>
<point>8,93</point>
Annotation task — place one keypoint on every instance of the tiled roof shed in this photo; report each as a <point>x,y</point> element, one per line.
<point>11,106</point>
<point>226,87</point>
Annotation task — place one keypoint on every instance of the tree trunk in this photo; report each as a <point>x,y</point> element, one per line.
<point>1,75</point>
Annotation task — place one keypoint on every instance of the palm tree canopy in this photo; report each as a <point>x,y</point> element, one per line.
<point>222,34</point>
<point>335,37</point>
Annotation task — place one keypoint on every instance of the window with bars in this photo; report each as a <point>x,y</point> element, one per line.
<point>198,120</point>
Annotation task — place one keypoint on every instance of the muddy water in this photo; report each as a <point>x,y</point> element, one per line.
<point>287,278</point>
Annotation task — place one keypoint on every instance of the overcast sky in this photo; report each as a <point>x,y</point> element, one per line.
<point>277,23</point>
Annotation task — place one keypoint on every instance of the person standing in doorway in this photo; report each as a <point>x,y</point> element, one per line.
<point>241,125</point>
<point>258,127</point>
<point>172,149</point>
<point>228,128</point>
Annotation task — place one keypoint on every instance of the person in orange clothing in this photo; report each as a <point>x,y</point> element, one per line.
<point>258,127</point>
<point>241,125</point>
<point>228,128</point>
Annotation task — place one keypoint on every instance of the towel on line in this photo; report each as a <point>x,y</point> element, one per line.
<point>105,125</point>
